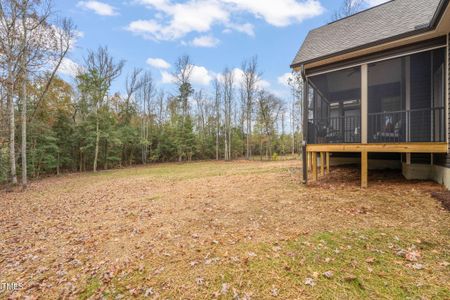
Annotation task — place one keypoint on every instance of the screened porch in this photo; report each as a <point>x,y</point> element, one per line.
<point>405,102</point>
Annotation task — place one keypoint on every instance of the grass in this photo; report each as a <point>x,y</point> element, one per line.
<point>91,288</point>
<point>225,230</point>
<point>364,265</point>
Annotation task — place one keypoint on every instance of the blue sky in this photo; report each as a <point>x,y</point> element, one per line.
<point>151,34</point>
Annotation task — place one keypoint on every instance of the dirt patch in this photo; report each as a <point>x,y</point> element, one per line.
<point>443,197</point>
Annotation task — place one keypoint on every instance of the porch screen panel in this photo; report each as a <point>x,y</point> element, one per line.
<point>428,96</point>
<point>386,120</point>
<point>406,99</point>
<point>336,98</point>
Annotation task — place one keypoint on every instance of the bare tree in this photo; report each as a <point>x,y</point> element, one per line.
<point>147,92</point>
<point>348,8</point>
<point>161,96</point>
<point>217,104</point>
<point>182,74</point>
<point>228,96</point>
<point>251,76</point>
<point>64,35</point>
<point>296,115</point>
<point>10,48</point>
<point>95,82</point>
<point>269,108</point>
<point>132,85</point>
<point>29,43</point>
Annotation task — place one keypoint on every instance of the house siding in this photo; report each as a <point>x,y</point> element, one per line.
<point>444,159</point>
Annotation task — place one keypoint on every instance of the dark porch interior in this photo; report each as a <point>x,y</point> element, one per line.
<point>405,102</point>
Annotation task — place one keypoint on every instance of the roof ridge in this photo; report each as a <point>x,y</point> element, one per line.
<point>360,12</point>
<point>390,20</point>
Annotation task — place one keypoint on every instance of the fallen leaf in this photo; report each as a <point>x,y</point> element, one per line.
<point>413,255</point>
<point>309,281</point>
<point>328,274</point>
<point>199,280</point>
<point>274,291</point>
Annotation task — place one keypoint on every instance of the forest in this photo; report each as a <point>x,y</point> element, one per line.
<point>51,126</point>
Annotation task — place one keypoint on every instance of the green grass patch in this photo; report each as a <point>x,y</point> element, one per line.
<point>364,264</point>
<point>92,285</point>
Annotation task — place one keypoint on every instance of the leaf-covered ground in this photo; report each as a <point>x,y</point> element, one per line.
<point>241,230</point>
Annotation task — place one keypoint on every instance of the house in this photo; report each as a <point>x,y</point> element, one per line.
<point>377,90</point>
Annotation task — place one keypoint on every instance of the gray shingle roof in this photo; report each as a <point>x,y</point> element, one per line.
<point>394,18</point>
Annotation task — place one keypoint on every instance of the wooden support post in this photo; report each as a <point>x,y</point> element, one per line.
<point>322,163</point>
<point>364,169</point>
<point>328,162</point>
<point>309,161</point>
<point>314,165</point>
<point>408,158</point>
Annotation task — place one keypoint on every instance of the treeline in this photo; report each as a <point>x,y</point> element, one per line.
<point>49,126</point>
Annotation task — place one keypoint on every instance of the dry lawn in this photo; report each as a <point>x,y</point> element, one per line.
<point>241,230</point>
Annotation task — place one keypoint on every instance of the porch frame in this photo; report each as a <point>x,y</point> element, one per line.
<point>365,149</point>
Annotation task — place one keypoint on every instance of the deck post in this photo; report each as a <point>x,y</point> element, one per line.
<point>364,103</point>
<point>322,163</point>
<point>314,165</point>
<point>328,162</point>
<point>309,161</point>
<point>364,169</point>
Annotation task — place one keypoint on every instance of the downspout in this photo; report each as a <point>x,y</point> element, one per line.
<point>305,124</point>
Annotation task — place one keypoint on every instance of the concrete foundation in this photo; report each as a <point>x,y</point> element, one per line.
<point>374,164</point>
<point>435,173</point>
<point>438,174</point>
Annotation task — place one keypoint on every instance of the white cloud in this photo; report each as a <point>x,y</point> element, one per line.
<point>179,19</point>
<point>263,84</point>
<point>158,63</point>
<point>199,76</point>
<point>69,68</point>
<point>284,79</point>
<point>375,2</point>
<point>175,20</point>
<point>279,12</point>
<point>238,77</point>
<point>167,77</point>
<point>100,8</point>
<point>206,41</point>
<point>246,28</point>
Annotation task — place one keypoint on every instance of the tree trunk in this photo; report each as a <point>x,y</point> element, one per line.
<point>57,165</point>
<point>106,155</point>
<point>226,145</point>
<point>81,160</point>
<point>229,130</point>
<point>24,101</point>
<point>270,147</point>
<point>12,126</point>
<point>260,147</point>
<point>217,142</point>
<point>97,141</point>
<point>248,153</point>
